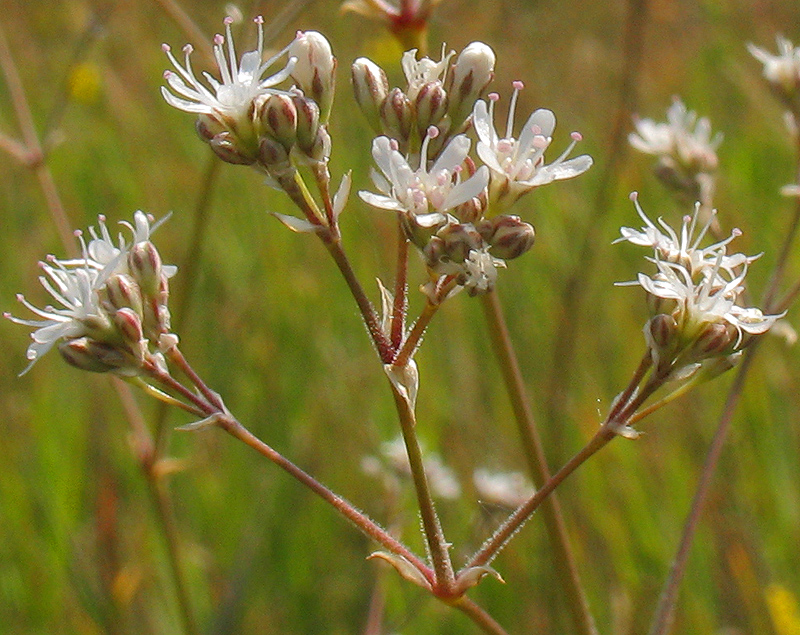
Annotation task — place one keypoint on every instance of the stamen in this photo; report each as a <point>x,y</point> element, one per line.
<point>431,133</point>
<point>518,86</point>
<point>231,51</point>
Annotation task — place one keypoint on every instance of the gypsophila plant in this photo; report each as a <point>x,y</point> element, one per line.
<point>457,189</point>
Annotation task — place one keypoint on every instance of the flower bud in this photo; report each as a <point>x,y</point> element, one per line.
<point>660,331</point>
<point>716,339</point>
<point>129,324</point>
<point>472,72</point>
<point>278,117</point>
<point>273,155</point>
<point>208,126</point>
<point>459,240</point>
<point>120,291</point>
<point>396,116</point>
<point>226,148</point>
<point>431,105</point>
<point>87,354</point>
<point>433,252</point>
<point>320,150</point>
<point>509,236</point>
<point>371,89</point>
<point>144,263</point>
<point>307,122</point>
<point>315,69</point>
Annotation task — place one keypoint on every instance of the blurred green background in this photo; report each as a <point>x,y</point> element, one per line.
<point>270,325</point>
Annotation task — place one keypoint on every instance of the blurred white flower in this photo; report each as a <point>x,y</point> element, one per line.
<point>782,69</point>
<point>506,489</point>
<point>684,141</point>
<point>442,480</point>
<point>517,164</point>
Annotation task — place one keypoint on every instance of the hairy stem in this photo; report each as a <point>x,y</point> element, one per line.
<point>400,290</point>
<point>382,344</point>
<point>563,557</point>
<point>367,526</point>
<point>434,537</point>
<point>669,594</point>
<point>500,538</point>
<point>479,616</point>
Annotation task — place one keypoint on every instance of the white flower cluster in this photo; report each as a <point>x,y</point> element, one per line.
<point>244,117</point>
<point>112,300</point>
<point>452,210</point>
<point>695,293</point>
<point>781,70</point>
<point>684,146</point>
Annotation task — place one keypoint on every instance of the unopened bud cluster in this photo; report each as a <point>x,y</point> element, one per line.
<point>245,119</point>
<point>437,94</point>
<point>113,303</point>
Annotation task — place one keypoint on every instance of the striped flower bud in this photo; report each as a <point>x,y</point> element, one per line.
<point>144,263</point>
<point>396,115</point>
<point>278,117</point>
<point>431,106</point>
<point>226,148</point>
<point>459,239</point>
<point>121,291</point>
<point>509,236</point>
<point>315,69</point>
<point>88,354</point>
<point>371,88</point>
<point>472,73</point>
<point>308,122</point>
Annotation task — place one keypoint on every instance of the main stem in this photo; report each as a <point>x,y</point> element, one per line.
<point>478,615</point>
<point>434,537</point>
<point>563,557</point>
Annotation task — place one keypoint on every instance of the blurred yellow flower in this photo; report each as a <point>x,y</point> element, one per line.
<point>784,609</point>
<point>85,83</point>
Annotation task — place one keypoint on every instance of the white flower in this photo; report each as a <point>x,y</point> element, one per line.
<point>782,69</point>
<point>477,274</point>
<point>685,250</point>
<point>423,195</point>
<point>75,289</point>
<point>74,285</point>
<point>517,164</point>
<point>507,489</point>
<point>684,140</point>
<point>423,71</point>
<point>231,98</point>
<point>441,478</point>
<point>712,300</point>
